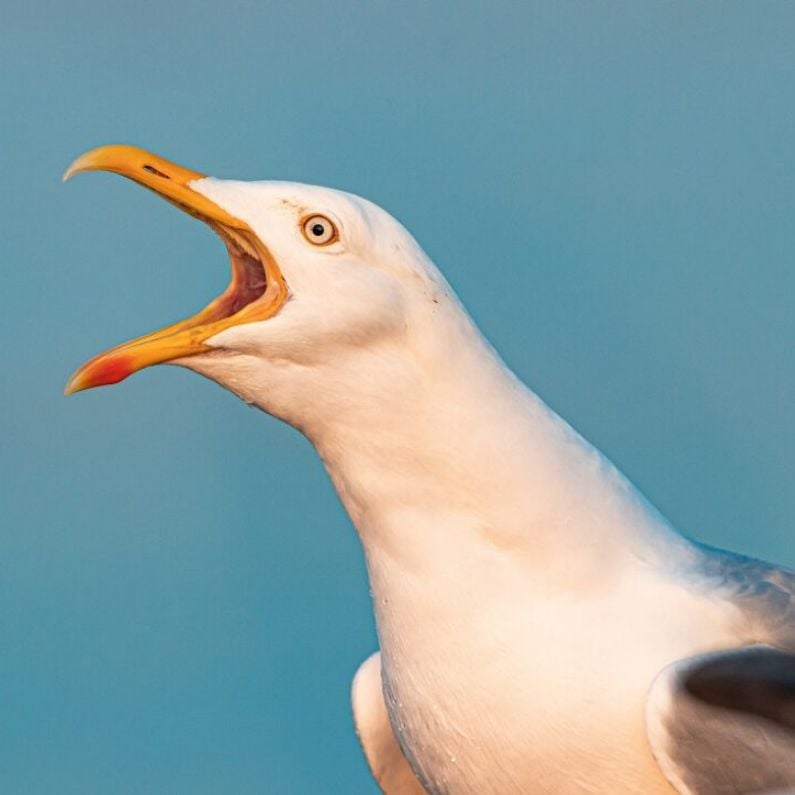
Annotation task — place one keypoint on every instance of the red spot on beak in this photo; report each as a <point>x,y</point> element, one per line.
<point>111,370</point>
<point>101,371</point>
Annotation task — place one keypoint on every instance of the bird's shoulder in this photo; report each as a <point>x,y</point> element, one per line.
<point>763,592</point>
<point>384,756</point>
<point>724,722</point>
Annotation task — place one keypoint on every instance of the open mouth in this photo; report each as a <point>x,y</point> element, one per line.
<point>256,291</point>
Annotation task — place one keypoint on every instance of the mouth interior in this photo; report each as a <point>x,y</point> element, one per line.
<point>256,291</point>
<point>249,280</point>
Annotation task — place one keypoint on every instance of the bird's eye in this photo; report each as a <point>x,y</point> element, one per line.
<point>319,230</point>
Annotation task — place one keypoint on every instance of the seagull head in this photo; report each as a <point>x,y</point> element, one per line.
<point>324,285</point>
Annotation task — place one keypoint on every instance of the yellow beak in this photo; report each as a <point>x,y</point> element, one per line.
<point>257,289</point>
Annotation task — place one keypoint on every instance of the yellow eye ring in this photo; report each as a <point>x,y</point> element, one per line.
<point>319,230</point>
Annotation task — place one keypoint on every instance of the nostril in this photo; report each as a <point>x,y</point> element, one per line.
<point>152,170</point>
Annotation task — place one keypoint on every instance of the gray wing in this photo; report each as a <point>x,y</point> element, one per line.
<point>724,723</point>
<point>762,592</point>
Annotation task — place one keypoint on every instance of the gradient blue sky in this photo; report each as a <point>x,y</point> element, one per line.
<point>609,186</point>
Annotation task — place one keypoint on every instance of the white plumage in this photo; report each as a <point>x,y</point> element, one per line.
<point>527,597</point>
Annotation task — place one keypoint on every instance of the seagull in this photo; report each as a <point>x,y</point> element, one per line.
<point>541,627</point>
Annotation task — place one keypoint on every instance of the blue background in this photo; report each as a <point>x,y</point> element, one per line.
<point>609,186</point>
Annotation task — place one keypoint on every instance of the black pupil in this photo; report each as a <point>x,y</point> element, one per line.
<point>318,229</point>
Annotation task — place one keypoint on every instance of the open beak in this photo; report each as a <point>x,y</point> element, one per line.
<point>256,291</point>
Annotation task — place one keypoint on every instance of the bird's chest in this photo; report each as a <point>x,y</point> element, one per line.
<point>522,696</point>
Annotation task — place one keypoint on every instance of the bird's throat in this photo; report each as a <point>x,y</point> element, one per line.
<point>455,457</point>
